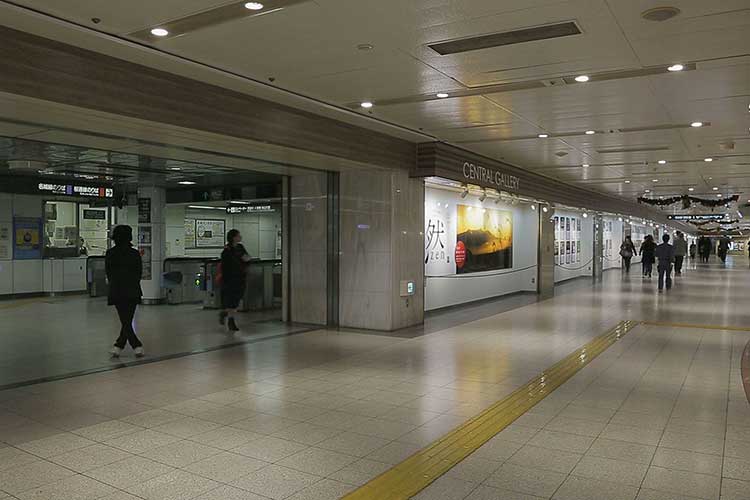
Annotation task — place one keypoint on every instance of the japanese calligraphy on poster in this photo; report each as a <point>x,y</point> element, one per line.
<point>461,238</point>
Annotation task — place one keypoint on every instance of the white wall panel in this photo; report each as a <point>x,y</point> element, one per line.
<point>27,276</point>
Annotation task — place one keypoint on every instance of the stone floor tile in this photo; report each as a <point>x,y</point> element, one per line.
<point>90,457</point>
<point>581,488</point>
<point>71,488</point>
<point>684,483</point>
<point>177,485</point>
<point>544,458</point>
<point>276,482</point>
<point>269,449</point>
<point>225,467</point>
<point>526,480</point>
<point>446,488</point>
<point>120,474</point>
<point>612,471</point>
<point>670,458</point>
<point>317,461</point>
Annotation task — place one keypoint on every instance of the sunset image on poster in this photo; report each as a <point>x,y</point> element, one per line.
<point>485,237</point>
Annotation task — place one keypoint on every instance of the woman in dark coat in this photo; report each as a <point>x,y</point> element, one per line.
<point>648,256</point>
<point>234,261</point>
<point>123,267</point>
<point>627,250</point>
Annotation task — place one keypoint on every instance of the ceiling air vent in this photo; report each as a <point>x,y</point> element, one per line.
<point>30,165</point>
<point>507,38</point>
<point>659,14</point>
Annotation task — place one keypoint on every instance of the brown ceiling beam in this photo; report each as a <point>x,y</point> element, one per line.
<point>45,69</point>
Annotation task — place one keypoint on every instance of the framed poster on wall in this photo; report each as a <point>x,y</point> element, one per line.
<point>189,233</point>
<point>6,246</point>
<point>484,237</point>
<point>210,233</point>
<point>27,238</point>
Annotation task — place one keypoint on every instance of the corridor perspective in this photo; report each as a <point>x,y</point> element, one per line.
<point>391,250</point>
<point>660,414</point>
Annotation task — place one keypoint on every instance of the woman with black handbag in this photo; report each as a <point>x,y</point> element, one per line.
<point>627,249</point>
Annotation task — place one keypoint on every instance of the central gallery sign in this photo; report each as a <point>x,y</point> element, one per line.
<point>489,176</point>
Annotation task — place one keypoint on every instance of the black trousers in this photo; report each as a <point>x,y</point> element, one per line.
<point>126,312</point>
<point>626,261</point>
<point>678,263</point>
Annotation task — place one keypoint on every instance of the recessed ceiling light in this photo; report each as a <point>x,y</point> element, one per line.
<point>590,132</point>
<point>654,180</point>
<point>366,104</point>
<point>585,165</point>
<point>442,95</point>
<point>661,162</point>
<point>254,6</point>
<point>585,215</point>
<point>543,136</point>
<point>676,67</point>
<point>582,78</point>
<point>691,189</point>
<point>719,195</point>
<point>365,46</point>
<point>159,32</point>
<point>715,188</point>
<point>175,168</point>
<point>696,124</point>
<point>627,182</point>
<point>186,183</point>
<point>708,159</point>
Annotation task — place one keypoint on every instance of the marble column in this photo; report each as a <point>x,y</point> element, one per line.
<point>382,245</point>
<point>546,255</point>
<point>150,240</point>
<point>308,246</point>
<point>598,262</point>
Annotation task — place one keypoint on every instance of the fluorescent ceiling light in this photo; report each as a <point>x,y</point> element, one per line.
<point>254,6</point>
<point>648,191</point>
<point>366,104</point>
<point>175,168</point>
<point>715,188</point>
<point>662,162</point>
<point>654,180</point>
<point>441,95</point>
<point>186,183</point>
<point>590,132</point>
<point>543,136</point>
<point>585,165</point>
<point>676,67</point>
<point>691,189</point>
<point>627,182</point>
<point>708,159</point>
<point>696,124</point>
<point>159,32</point>
<point>533,207</point>
<point>719,195</point>
<point>582,78</point>
<point>585,215</point>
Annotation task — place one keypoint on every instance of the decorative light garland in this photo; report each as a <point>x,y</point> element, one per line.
<point>687,201</point>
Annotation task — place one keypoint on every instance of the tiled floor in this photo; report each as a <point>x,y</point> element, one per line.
<point>659,415</point>
<point>73,334</point>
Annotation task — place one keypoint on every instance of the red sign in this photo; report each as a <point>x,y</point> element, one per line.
<point>460,254</point>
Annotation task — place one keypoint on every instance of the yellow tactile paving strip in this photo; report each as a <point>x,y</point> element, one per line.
<point>701,327</point>
<point>417,472</point>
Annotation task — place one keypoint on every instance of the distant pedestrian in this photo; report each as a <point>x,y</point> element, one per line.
<point>648,247</point>
<point>665,254</point>
<point>627,250</point>
<point>704,248</point>
<point>234,261</point>
<point>680,251</point>
<point>723,249</point>
<point>693,250</point>
<point>123,268</point>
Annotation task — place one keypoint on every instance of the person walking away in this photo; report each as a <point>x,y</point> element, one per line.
<point>665,254</point>
<point>693,250</point>
<point>234,261</point>
<point>723,250</point>
<point>627,249</point>
<point>123,268</point>
<point>647,255</point>
<point>680,250</point>
<point>704,246</point>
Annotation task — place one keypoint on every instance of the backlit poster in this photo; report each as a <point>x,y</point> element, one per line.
<point>6,246</point>
<point>484,239</point>
<point>27,238</point>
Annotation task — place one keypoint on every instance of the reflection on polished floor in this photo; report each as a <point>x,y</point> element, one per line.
<point>72,334</point>
<point>661,414</point>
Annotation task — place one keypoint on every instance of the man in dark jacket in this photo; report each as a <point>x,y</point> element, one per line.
<point>234,261</point>
<point>665,255</point>
<point>123,267</point>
